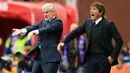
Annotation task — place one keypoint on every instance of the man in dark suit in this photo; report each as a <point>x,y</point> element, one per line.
<point>49,31</point>
<point>100,53</point>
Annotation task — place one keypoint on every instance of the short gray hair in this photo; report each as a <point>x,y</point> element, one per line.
<point>49,6</point>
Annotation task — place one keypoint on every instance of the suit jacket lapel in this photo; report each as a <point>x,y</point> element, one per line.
<point>89,31</point>
<point>101,23</point>
<point>52,20</point>
<point>89,27</point>
<point>44,22</point>
<point>100,27</point>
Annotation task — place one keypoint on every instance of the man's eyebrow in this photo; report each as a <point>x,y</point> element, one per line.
<point>45,11</point>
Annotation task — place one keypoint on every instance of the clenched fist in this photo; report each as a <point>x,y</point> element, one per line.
<point>59,46</point>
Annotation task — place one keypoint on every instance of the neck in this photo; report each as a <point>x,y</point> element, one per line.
<point>97,18</point>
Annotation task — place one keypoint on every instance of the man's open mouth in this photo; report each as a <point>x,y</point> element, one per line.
<point>92,14</point>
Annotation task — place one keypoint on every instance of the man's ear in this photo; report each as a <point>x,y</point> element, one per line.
<point>101,13</point>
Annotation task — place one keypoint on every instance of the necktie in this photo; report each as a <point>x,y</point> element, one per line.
<point>94,23</point>
<point>47,22</point>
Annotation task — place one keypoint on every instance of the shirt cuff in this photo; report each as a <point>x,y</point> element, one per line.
<point>36,32</point>
<point>24,30</point>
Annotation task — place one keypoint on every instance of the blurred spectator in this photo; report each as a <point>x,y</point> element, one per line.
<point>126,51</point>
<point>13,44</point>
<point>28,47</point>
<point>8,45</point>
<point>121,67</point>
<point>1,41</point>
<point>11,57</point>
<point>16,44</point>
<point>6,65</point>
<point>20,44</point>
<point>74,52</point>
<point>23,64</point>
<point>16,59</point>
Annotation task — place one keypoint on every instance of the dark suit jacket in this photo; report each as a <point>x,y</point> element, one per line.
<point>49,37</point>
<point>107,32</point>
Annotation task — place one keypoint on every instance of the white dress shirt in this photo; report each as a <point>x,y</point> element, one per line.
<point>98,20</point>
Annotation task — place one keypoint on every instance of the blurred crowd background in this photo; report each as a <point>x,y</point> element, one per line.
<point>21,13</point>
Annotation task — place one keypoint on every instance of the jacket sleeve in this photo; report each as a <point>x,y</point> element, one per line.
<point>55,27</point>
<point>118,39</point>
<point>75,33</point>
<point>33,27</point>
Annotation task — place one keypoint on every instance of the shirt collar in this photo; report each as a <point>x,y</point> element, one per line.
<point>98,20</point>
<point>52,18</point>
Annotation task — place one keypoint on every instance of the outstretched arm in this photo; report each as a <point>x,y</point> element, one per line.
<point>75,33</point>
<point>54,27</point>
<point>31,29</point>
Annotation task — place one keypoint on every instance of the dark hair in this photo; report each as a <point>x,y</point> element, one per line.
<point>100,7</point>
<point>5,64</point>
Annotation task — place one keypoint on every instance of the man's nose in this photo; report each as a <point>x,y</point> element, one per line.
<point>91,11</point>
<point>44,14</point>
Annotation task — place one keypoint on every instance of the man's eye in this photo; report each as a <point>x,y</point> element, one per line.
<point>45,12</point>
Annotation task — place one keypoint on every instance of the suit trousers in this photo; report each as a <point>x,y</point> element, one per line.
<point>45,67</point>
<point>97,64</point>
